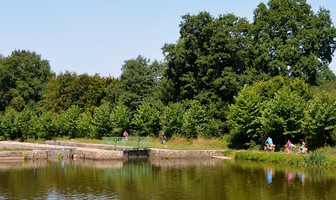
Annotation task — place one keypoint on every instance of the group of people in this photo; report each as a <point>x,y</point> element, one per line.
<point>269,146</point>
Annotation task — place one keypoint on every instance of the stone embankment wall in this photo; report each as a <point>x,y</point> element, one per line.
<point>34,154</point>
<point>162,153</point>
<point>98,155</point>
<point>94,152</point>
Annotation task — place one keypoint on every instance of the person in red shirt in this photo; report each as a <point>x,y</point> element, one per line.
<point>125,134</point>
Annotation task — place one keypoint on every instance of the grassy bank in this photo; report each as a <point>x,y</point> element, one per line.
<point>317,158</point>
<point>175,143</point>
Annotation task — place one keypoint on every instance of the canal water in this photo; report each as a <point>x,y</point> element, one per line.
<point>190,179</point>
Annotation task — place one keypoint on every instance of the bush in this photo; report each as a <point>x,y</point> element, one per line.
<point>146,119</point>
<point>120,119</point>
<point>172,119</point>
<point>84,125</point>
<point>320,121</point>
<point>101,123</point>
<point>194,121</point>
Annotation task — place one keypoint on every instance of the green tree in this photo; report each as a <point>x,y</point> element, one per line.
<point>283,116</point>
<point>23,76</point>
<point>69,122</point>
<point>146,119</point>
<point>290,40</point>
<point>46,126</point>
<point>9,124</point>
<point>68,89</point>
<point>84,125</point>
<point>320,121</point>
<point>138,82</point>
<point>194,120</point>
<point>25,123</point>
<point>172,119</point>
<point>244,119</point>
<point>101,123</point>
<point>120,119</point>
<point>209,57</point>
<point>267,108</point>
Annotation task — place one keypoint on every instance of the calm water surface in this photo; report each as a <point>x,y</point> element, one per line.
<point>208,179</point>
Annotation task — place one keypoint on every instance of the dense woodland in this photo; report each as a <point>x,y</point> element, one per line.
<point>224,77</point>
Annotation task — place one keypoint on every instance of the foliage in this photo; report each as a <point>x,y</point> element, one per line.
<point>23,76</point>
<point>69,89</point>
<point>223,75</point>
<point>209,57</point>
<point>137,82</point>
<point>244,119</point>
<point>69,122</point>
<point>284,115</point>
<point>172,119</point>
<point>84,125</point>
<point>120,119</point>
<point>25,123</point>
<point>9,127</point>
<point>194,120</point>
<point>290,40</point>
<point>273,108</point>
<point>146,119</point>
<point>101,123</point>
<point>320,120</point>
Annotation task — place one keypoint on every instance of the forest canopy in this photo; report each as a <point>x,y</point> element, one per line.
<point>224,77</point>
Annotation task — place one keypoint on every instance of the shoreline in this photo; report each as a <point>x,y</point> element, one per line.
<point>52,150</point>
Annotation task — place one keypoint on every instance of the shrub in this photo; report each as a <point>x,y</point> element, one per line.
<point>172,119</point>
<point>194,121</point>
<point>120,119</point>
<point>146,119</point>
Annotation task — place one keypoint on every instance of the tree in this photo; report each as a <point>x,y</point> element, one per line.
<point>9,126</point>
<point>23,76</point>
<point>194,120</point>
<point>84,125</point>
<point>146,119</point>
<point>209,57</point>
<point>138,82</point>
<point>68,89</point>
<point>172,119</point>
<point>101,123</point>
<point>268,108</point>
<point>283,116</point>
<point>69,122</point>
<point>320,120</point>
<point>120,119</point>
<point>290,40</point>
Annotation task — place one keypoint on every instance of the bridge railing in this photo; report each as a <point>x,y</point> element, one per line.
<point>128,142</point>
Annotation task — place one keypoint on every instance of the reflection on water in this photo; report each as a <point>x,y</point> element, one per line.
<point>289,175</point>
<point>269,175</point>
<point>163,179</point>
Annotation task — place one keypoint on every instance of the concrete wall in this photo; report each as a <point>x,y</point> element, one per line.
<point>99,155</point>
<point>34,154</point>
<point>162,153</point>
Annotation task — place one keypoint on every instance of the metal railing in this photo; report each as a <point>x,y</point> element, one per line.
<point>123,143</point>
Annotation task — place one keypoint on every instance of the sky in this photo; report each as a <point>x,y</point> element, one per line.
<point>97,36</point>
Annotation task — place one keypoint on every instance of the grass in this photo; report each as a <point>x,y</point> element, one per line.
<point>174,143</point>
<point>15,149</point>
<point>181,143</point>
<point>311,159</point>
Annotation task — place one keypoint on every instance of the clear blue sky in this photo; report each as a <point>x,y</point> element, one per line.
<point>97,36</point>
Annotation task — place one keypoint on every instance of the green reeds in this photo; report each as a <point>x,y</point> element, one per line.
<point>311,159</point>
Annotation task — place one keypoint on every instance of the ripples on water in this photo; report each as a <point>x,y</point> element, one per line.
<point>163,179</point>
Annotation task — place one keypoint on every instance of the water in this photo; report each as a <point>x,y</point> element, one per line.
<point>208,179</point>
